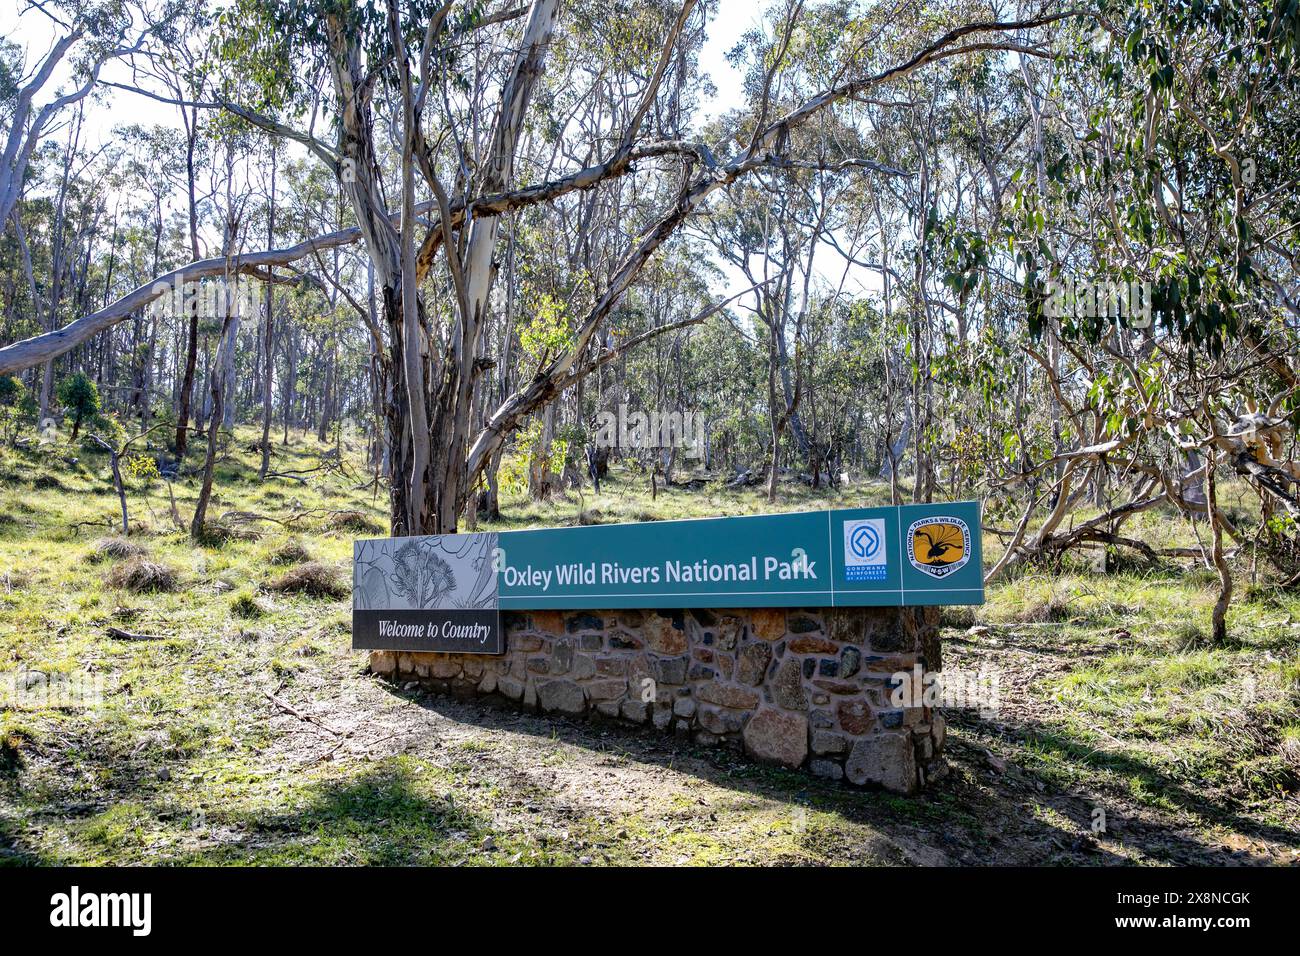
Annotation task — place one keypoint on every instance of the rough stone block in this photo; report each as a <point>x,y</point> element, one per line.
<point>524,643</point>
<point>787,687</point>
<point>767,623</point>
<point>445,667</point>
<point>552,622</point>
<point>663,636</point>
<point>606,689</point>
<point>850,662</point>
<point>669,670</point>
<point>828,743</point>
<point>826,768</point>
<point>751,663</point>
<point>611,666</point>
<point>561,695</point>
<point>803,624</point>
<point>855,717</point>
<point>623,641</point>
<point>886,759</point>
<point>726,633</point>
<point>584,622</point>
<point>891,719</point>
<point>838,687</point>
<point>777,737</point>
<point>719,721</point>
<point>890,637</point>
<point>812,644</point>
<point>561,657</point>
<point>847,625</point>
<point>725,666</point>
<point>726,695</point>
<point>636,710</point>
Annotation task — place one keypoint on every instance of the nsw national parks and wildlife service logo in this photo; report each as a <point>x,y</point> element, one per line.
<point>938,545</point>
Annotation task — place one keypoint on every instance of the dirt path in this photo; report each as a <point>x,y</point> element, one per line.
<point>586,783</point>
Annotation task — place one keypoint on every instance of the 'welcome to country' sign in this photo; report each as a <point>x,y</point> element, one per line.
<point>446,592</point>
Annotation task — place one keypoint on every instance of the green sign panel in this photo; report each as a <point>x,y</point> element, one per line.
<point>897,555</point>
<point>446,592</point>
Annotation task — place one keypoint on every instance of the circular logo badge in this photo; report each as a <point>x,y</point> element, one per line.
<point>939,545</point>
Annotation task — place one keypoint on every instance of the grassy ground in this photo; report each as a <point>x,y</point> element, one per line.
<point>244,730</point>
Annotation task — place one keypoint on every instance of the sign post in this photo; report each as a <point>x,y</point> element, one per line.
<point>445,592</point>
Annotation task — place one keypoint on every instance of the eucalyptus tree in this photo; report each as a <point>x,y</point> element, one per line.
<point>176,68</point>
<point>87,34</point>
<point>421,108</point>
<point>1148,233</point>
<point>228,302</point>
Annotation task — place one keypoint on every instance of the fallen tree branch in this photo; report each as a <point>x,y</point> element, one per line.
<point>305,718</point>
<point>120,635</point>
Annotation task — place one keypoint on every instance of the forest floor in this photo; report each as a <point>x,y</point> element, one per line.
<point>239,727</point>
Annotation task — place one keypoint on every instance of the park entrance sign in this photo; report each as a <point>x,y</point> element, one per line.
<point>446,592</point>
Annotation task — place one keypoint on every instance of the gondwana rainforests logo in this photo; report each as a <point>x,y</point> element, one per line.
<point>939,545</point>
<point>864,550</point>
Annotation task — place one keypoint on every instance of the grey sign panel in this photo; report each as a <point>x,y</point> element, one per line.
<point>429,593</point>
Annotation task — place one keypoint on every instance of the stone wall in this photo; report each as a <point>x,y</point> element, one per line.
<point>802,687</point>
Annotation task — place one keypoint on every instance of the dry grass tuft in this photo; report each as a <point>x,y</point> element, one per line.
<point>957,616</point>
<point>142,576</point>
<point>1290,749</point>
<point>245,605</point>
<point>114,549</point>
<point>217,535</point>
<point>357,522</point>
<point>1053,610</point>
<point>313,578</point>
<point>11,758</point>
<point>292,551</point>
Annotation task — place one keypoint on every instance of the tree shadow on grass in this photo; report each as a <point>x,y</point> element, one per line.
<point>383,817</point>
<point>1058,742</point>
<point>14,850</point>
<point>396,813</point>
<point>951,822</point>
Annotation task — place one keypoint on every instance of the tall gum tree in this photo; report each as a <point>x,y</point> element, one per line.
<point>388,70</point>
